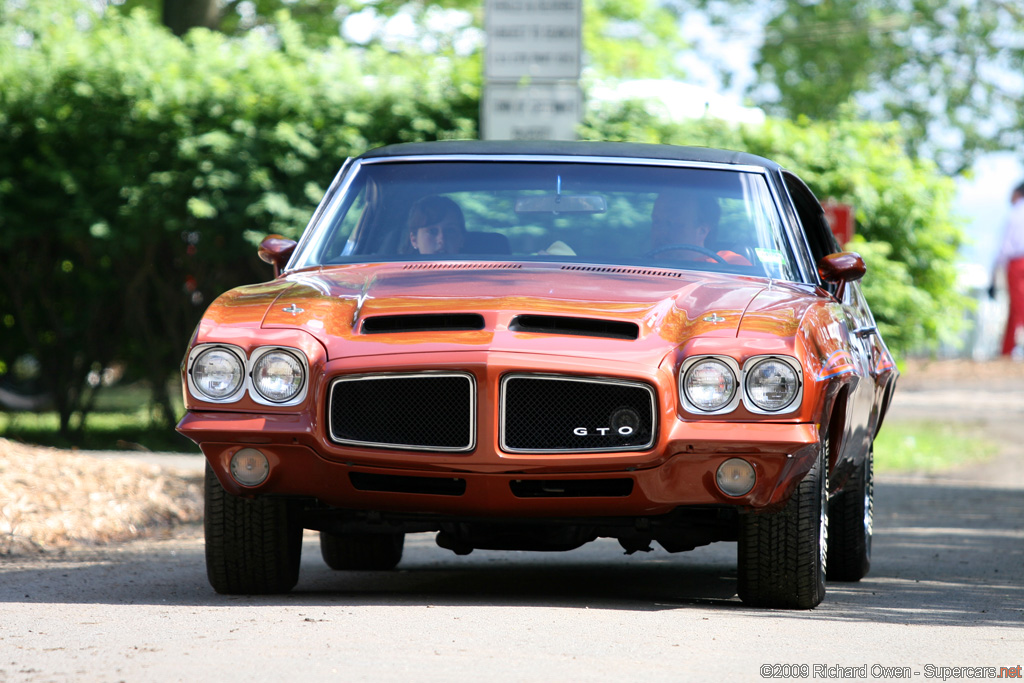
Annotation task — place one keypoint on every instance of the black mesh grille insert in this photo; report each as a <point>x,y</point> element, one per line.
<point>550,413</point>
<point>427,322</point>
<point>417,411</point>
<point>585,327</point>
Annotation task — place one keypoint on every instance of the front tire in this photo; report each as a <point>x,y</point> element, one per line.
<point>850,525</point>
<point>253,547</point>
<point>782,555</point>
<point>362,552</point>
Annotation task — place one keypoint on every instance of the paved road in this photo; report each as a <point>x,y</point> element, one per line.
<point>946,590</point>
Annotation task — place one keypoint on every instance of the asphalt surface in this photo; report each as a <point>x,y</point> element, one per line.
<point>944,601</point>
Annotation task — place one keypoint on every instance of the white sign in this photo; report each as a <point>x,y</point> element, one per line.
<point>534,38</point>
<point>540,111</point>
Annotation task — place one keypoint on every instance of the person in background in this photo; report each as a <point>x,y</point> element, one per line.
<point>1011,256</point>
<point>436,226</point>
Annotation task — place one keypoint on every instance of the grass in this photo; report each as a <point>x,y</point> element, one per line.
<point>122,420</point>
<point>929,447</point>
<point>103,432</point>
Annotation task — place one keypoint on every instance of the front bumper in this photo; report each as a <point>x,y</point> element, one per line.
<point>680,471</point>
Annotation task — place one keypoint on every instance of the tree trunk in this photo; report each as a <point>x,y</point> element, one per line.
<point>181,15</point>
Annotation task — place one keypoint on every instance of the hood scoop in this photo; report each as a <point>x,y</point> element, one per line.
<point>582,327</point>
<point>423,322</point>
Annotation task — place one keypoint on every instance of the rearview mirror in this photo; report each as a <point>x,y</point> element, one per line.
<point>562,203</point>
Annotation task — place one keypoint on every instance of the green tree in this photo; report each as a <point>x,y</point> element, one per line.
<point>182,15</point>
<point>948,71</point>
<point>809,79</point>
<point>622,39</point>
<point>631,39</point>
<point>320,20</point>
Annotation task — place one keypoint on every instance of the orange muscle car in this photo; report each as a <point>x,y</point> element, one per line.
<point>533,345</point>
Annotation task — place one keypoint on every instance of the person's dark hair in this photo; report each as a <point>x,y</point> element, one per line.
<point>709,211</point>
<point>705,205</point>
<point>1019,189</point>
<point>432,210</point>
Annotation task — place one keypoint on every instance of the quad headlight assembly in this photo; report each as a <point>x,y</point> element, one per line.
<point>766,385</point>
<point>272,375</point>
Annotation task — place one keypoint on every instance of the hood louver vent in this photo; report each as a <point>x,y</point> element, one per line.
<point>427,322</point>
<point>472,265</point>
<point>583,327</point>
<point>616,270</point>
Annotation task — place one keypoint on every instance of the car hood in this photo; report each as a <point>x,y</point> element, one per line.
<point>665,307</point>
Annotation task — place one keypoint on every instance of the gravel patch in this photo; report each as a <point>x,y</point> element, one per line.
<point>52,500</point>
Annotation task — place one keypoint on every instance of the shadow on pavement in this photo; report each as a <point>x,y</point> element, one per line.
<point>943,555</point>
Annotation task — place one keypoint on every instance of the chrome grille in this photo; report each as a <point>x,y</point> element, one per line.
<point>552,413</point>
<point>414,411</point>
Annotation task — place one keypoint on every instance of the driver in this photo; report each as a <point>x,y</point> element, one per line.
<point>687,218</point>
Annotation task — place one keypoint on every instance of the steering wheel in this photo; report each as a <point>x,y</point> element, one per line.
<point>688,247</point>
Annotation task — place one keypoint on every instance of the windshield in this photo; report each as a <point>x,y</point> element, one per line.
<point>576,212</point>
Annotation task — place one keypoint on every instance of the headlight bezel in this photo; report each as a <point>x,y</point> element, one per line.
<point>727,363</point>
<point>248,363</point>
<point>258,355</point>
<point>197,354</point>
<point>795,400</point>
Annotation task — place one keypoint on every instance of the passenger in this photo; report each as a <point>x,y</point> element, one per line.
<point>436,226</point>
<point>686,218</point>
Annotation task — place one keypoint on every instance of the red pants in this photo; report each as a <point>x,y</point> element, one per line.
<point>1015,284</point>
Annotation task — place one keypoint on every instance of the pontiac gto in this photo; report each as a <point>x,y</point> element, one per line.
<point>534,345</point>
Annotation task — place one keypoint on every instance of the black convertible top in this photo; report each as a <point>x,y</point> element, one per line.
<point>629,150</point>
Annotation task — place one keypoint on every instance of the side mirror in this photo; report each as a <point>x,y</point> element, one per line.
<point>840,268</point>
<point>276,250</point>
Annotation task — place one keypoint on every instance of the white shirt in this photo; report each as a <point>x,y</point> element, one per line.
<point>1012,246</point>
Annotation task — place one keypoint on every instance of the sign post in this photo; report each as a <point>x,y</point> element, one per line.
<point>532,69</point>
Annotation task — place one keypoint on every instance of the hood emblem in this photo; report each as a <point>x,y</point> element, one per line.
<point>293,309</point>
<point>714,318</point>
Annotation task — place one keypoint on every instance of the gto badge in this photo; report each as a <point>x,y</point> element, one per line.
<point>714,318</point>
<point>293,309</point>
<point>624,430</point>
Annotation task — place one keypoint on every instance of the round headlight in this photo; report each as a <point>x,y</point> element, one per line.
<point>217,374</point>
<point>278,376</point>
<point>709,385</point>
<point>772,384</point>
